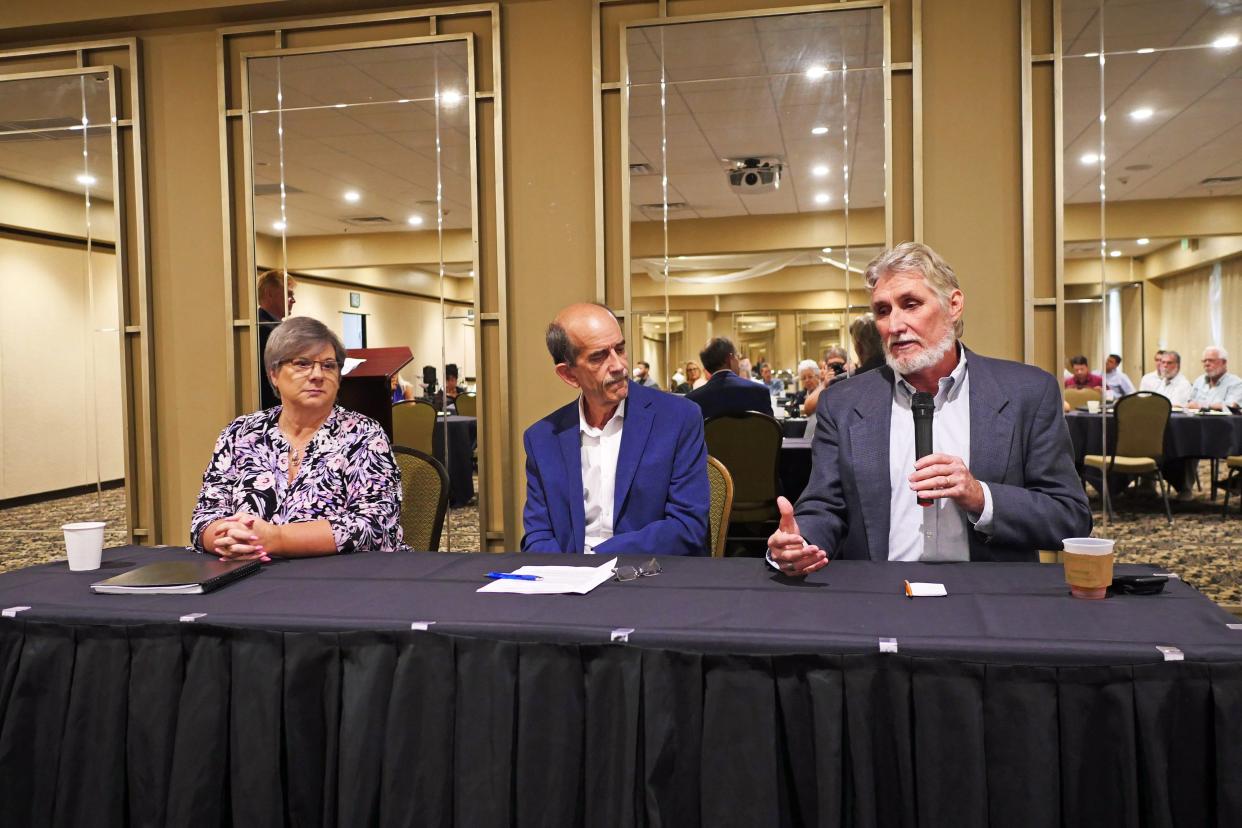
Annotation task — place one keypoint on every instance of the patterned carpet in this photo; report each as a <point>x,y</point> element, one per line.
<point>1204,550</point>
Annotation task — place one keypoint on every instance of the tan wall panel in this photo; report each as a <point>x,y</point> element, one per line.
<point>71,390</point>
<point>752,234</point>
<point>1132,338</point>
<point>1046,340</point>
<point>192,403</point>
<point>1156,218</point>
<point>44,210</point>
<point>551,222</point>
<point>901,197</point>
<point>1044,181</point>
<point>972,162</point>
<point>363,33</point>
<point>1173,259</point>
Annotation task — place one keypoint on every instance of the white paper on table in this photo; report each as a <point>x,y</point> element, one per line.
<point>555,580</point>
<point>924,590</point>
<point>350,364</point>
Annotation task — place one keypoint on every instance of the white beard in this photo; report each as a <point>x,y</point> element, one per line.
<point>924,359</point>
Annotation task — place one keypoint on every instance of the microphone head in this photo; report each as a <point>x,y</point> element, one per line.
<point>922,404</point>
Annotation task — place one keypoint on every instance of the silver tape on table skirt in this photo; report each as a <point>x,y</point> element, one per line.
<point>11,612</point>
<point>621,635</point>
<point>888,645</point>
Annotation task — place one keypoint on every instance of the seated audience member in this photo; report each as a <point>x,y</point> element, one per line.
<point>276,299</point>
<point>835,361</point>
<point>867,343</point>
<point>693,379</point>
<point>776,387</point>
<point>446,396</point>
<point>1116,384</point>
<point>1152,377</point>
<point>675,381</point>
<point>743,369</point>
<point>305,477</point>
<point>642,375</point>
<point>1081,376</point>
<point>726,392</point>
<point>1217,389</point>
<point>622,469</point>
<point>808,381</point>
<point>1002,480</point>
<point>401,390</point>
<point>1169,380</point>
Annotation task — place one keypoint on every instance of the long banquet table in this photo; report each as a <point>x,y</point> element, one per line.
<point>303,695</point>
<point>1186,435</point>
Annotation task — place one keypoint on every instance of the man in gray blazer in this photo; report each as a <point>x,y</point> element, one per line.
<point>1000,481</point>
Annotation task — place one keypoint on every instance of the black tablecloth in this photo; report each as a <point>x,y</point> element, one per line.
<point>793,426</point>
<point>462,434</point>
<point>1186,436</point>
<point>741,698</point>
<point>795,466</point>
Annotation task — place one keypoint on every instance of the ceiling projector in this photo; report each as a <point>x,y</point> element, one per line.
<point>755,175</point>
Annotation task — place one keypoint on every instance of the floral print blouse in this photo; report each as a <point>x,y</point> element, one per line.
<point>349,478</point>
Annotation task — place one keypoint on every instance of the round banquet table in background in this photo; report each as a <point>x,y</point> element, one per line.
<point>1187,435</point>
<point>462,433</point>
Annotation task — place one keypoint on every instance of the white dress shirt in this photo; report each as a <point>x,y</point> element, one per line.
<point>937,532</point>
<point>600,448</point>
<point>1227,390</point>
<point>1176,389</point>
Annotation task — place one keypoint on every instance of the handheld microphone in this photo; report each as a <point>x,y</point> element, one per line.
<point>922,405</point>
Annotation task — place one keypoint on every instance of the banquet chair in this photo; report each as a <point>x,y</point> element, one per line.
<point>467,405</point>
<point>1234,464</point>
<point>749,446</point>
<point>1078,397</point>
<point>424,498</point>
<point>721,485</point>
<point>412,424</point>
<point>1140,423</point>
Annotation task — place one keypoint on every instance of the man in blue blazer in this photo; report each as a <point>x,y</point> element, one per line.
<point>1000,481</point>
<point>726,392</point>
<point>621,470</point>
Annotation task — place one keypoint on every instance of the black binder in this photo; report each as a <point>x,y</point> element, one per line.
<point>191,576</point>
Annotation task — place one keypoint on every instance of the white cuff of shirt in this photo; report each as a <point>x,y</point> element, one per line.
<point>983,523</point>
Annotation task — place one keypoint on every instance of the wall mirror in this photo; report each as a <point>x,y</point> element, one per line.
<point>362,196</point>
<point>755,166</point>
<point>1152,96</point>
<point>61,386</point>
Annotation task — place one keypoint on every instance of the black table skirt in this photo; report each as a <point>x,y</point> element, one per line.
<point>795,466</point>
<point>1186,436</point>
<point>189,724</point>
<point>462,434</point>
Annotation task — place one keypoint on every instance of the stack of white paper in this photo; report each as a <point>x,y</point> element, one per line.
<point>554,580</point>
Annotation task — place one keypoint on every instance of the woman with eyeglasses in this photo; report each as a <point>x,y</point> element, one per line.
<point>305,477</point>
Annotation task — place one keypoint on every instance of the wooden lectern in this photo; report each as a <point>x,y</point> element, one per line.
<point>367,388</point>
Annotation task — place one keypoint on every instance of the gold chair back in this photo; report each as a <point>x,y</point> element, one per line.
<point>467,405</point>
<point>749,446</point>
<point>424,498</point>
<point>1141,420</point>
<point>1078,397</point>
<point>412,424</point>
<point>721,504</point>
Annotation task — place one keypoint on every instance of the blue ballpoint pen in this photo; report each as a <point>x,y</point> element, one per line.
<point>512,577</point>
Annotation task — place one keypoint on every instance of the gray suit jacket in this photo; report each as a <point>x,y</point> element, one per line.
<point>1019,446</point>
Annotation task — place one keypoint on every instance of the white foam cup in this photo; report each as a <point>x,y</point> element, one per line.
<point>84,542</point>
<point>1093,406</point>
<point>1088,546</point>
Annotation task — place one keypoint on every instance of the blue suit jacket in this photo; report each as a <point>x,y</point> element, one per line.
<point>727,393</point>
<point>1019,446</point>
<point>661,499</point>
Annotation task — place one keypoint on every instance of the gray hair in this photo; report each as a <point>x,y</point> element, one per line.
<point>560,346</point>
<point>298,336</point>
<point>917,258</point>
<point>808,363</point>
<point>1221,353</point>
<point>836,352</point>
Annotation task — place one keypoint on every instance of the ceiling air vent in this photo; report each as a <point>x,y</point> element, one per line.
<point>34,129</point>
<point>274,190</point>
<point>657,207</point>
<point>368,221</point>
<point>641,169</point>
<point>1220,179</point>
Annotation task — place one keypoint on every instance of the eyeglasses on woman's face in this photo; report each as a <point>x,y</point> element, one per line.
<point>301,366</point>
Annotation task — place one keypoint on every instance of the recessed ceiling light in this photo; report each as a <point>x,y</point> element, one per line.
<point>278,225</point>
<point>1114,253</point>
<point>816,72</point>
<point>1143,242</point>
<point>819,171</point>
<point>1092,54</point>
<point>1225,42</point>
<point>822,198</point>
<point>414,221</point>
<point>1090,158</point>
<point>1142,113</point>
<point>450,97</point>
<point>352,196</point>
<point>86,179</point>
<point>1146,51</point>
<point>825,250</point>
<point>819,130</point>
